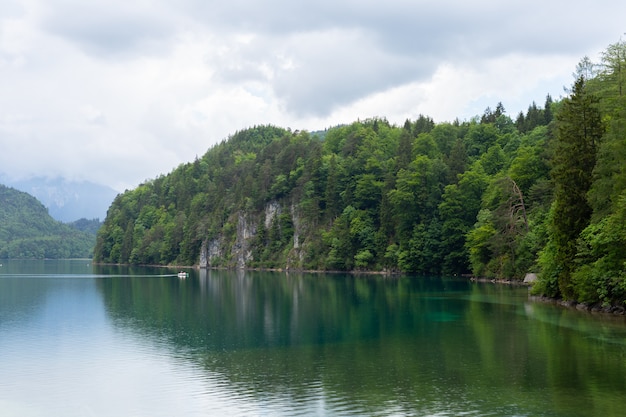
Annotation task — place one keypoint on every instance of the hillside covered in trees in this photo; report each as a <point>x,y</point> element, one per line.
<point>28,232</point>
<point>495,196</point>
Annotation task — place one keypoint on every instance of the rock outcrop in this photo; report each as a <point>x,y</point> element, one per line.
<point>237,250</point>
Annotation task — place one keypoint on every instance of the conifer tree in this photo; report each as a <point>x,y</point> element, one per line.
<point>547,110</point>
<point>579,130</point>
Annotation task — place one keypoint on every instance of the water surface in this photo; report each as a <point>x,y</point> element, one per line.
<point>79,340</point>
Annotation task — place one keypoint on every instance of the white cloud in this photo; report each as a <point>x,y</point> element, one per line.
<point>117,92</point>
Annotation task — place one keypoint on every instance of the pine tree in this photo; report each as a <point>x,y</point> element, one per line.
<point>405,150</point>
<point>579,130</point>
<point>547,111</point>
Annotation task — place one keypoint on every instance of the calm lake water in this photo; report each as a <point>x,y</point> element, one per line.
<point>80,340</point>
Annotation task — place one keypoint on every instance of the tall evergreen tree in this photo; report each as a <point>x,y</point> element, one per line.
<point>405,149</point>
<point>547,110</point>
<point>579,130</point>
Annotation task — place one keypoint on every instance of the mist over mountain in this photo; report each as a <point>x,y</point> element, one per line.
<point>67,201</point>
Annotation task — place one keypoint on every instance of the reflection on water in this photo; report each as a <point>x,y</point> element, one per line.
<point>136,342</point>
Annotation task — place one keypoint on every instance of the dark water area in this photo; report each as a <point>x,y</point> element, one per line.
<point>84,340</point>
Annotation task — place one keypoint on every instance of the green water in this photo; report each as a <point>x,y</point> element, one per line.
<point>80,340</point>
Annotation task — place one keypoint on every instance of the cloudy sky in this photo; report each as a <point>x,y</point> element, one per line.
<point>119,91</point>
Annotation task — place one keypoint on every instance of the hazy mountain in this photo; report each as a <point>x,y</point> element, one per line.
<point>28,232</point>
<point>67,201</point>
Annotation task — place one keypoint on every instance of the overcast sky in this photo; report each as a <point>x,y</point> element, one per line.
<point>120,91</point>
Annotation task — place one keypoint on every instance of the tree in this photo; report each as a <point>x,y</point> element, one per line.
<point>490,116</point>
<point>502,224</point>
<point>331,195</point>
<point>603,276</point>
<point>547,110</point>
<point>405,149</point>
<point>579,130</point>
<point>613,69</point>
<point>458,210</point>
<point>585,70</point>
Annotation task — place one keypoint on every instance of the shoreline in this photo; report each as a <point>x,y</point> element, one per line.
<point>596,308</point>
<point>610,310</point>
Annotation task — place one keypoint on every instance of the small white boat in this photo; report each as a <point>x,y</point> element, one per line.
<point>182,274</point>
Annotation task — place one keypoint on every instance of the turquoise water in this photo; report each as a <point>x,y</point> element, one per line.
<point>80,340</point>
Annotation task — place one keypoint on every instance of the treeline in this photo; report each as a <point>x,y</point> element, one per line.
<point>492,196</point>
<point>28,232</point>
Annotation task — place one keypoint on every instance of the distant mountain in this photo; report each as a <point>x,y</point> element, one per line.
<point>28,232</point>
<point>68,201</point>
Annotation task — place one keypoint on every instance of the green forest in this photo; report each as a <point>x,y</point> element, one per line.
<point>27,231</point>
<point>497,196</point>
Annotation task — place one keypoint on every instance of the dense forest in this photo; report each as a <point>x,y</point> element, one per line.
<point>28,232</point>
<point>495,196</point>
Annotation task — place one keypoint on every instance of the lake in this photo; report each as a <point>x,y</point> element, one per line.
<point>84,340</point>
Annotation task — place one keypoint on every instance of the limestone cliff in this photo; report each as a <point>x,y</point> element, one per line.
<point>238,249</point>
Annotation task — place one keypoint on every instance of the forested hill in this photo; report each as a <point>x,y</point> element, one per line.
<point>495,196</point>
<point>369,196</point>
<point>28,232</point>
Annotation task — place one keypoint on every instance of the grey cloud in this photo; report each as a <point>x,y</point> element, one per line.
<point>399,41</point>
<point>444,28</point>
<point>11,8</point>
<point>269,16</point>
<point>402,26</point>
<point>217,65</point>
<point>111,29</point>
<point>328,76</point>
